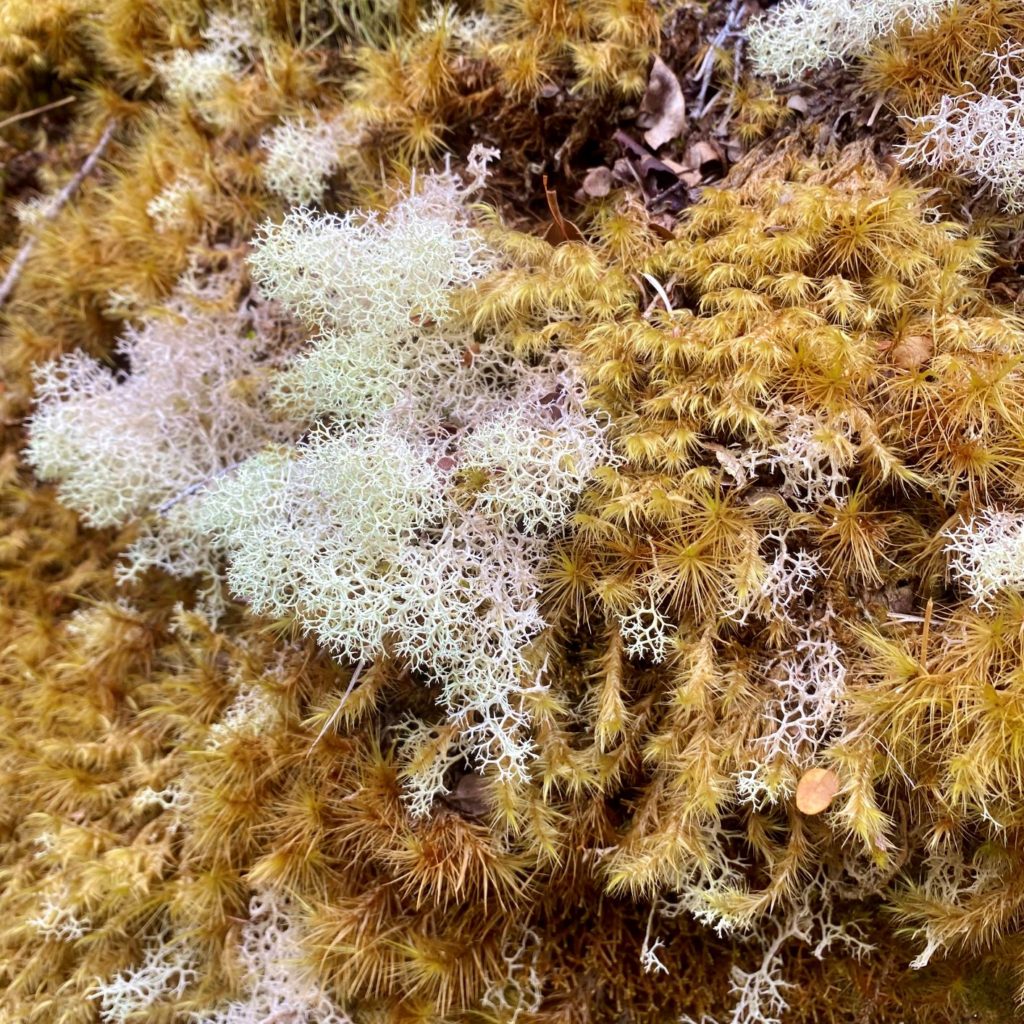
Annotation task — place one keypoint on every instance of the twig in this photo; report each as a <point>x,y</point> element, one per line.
<point>53,208</point>
<point>192,488</point>
<point>358,671</point>
<point>37,110</point>
<point>737,67</point>
<point>707,66</point>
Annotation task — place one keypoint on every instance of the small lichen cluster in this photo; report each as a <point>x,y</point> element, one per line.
<point>802,35</point>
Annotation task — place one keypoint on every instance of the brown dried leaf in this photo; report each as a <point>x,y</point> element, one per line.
<point>912,351</point>
<point>470,795</point>
<point>703,152</point>
<point>559,230</point>
<point>662,225</point>
<point>663,108</point>
<point>816,789</point>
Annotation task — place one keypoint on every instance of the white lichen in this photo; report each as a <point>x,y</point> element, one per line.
<point>977,133</point>
<point>801,35</point>
<point>986,554</point>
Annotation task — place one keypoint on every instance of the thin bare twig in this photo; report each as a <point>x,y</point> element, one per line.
<point>37,110</point>
<point>53,208</point>
<point>737,68</point>
<point>186,492</point>
<point>358,671</point>
<point>733,24</point>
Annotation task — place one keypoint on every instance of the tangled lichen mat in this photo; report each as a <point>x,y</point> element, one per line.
<point>512,512</point>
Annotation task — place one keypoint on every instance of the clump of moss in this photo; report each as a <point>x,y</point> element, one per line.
<point>773,729</point>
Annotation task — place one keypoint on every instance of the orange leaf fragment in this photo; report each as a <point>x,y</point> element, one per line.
<point>816,790</point>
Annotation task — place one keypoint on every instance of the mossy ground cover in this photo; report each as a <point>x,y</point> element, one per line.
<point>729,392</point>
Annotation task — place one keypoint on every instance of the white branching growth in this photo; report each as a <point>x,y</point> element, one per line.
<point>646,633</point>
<point>301,155</point>
<point>787,588</point>
<point>376,291</point>
<point>167,969</point>
<point>811,460</point>
<point>173,798</point>
<point>122,445</point>
<point>315,531</point>
<point>979,134</point>
<point>252,711</point>
<point>431,473</point>
<point>800,35</point>
<point>948,881</point>
<point>521,990</point>
<point>169,209</point>
<point>425,753</point>
<point>197,76</point>
<point>811,680</point>
<point>761,994</point>
<point>649,959</point>
<point>808,678</point>
<point>278,986</point>
<point>536,452</point>
<point>811,457</point>
<point>56,918</point>
<point>986,554</point>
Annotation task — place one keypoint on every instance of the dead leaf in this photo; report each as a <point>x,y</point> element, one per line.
<point>797,103</point>
<point>662,224</point>
<point>816,789</point>
<point>470,352</point>
<point>912,351</point>
<point>629,144</point>
<point>598,182</point>
<point>702,153</point>
<point>470,795</point>
<point>663,108</point>
<point>559,230</point>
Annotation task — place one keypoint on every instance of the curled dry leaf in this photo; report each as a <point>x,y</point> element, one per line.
<point>559,230</point>
<point>702,152</point>
<point>663,108</point>
<point>816,790</point>
<point>912,351</point>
